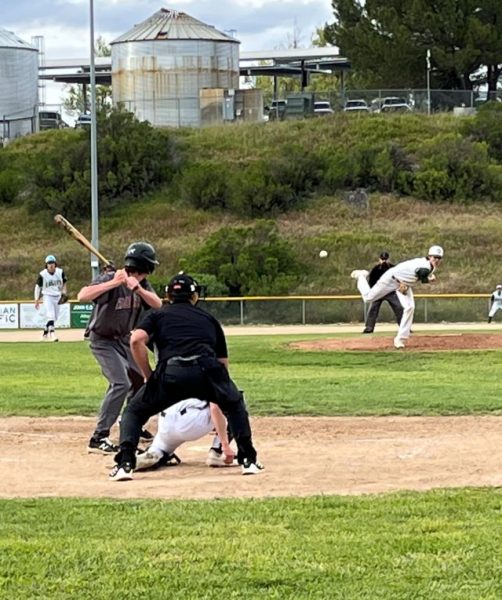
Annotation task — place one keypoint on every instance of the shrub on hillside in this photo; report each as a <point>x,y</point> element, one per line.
<point>206,185</point>
<point>453,167</point>
<point>133,159</point>
<point>10,185</point>
<point>247,260</point>
<point>487,127</point>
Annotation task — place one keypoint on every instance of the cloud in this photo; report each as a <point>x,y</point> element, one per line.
<point>258,24</point>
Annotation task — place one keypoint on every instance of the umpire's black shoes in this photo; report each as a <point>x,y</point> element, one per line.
<point>251,468</point>
<point>146,436</point>
<point>121,472</point>
<point>368,331</point>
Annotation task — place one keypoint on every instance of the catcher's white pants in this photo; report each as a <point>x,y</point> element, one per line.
<point>381,289</point>
<point>495,307</point>
<point>181,423</point>
<point>51,308</point>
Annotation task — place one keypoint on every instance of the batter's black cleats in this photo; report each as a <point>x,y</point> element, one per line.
<point>101,446</point>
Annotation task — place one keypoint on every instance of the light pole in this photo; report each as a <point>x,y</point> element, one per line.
<point>94,152</point>
<point>428,61</point>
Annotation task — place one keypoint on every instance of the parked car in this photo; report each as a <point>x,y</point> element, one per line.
<point>390,104</point>
<point>276,109</point>
<point>83,121</point>
<point>356,106</point>
<point>322,108</point>
<point>48,119</point>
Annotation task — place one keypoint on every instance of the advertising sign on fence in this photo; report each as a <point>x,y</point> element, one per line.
<point>31,318</point>
<point>9,316</point>
<point>80,315</point>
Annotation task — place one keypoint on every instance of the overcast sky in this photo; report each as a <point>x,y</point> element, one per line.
<point>258,24</point>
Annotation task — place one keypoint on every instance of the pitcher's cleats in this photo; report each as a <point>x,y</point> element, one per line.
<point>121,472</point>
<point>359,273</point>
<point>102,446</point>
<point>251,468</point>
<point>399,344</point>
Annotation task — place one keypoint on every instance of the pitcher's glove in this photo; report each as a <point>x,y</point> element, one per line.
<point>64,298</point>
<point>403,288</point>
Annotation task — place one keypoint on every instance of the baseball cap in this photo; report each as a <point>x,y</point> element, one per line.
<point>384,255</point>
<point>50,258</point>
<point>436,251</point>
<point>499,287</point>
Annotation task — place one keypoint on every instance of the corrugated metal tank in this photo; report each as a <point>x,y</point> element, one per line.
<point>159,67</point>
<point>18,85</point>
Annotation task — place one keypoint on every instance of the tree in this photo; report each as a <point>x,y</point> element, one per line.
<point>78,103</point>
<point>387,41</point>
<point>247,260</point>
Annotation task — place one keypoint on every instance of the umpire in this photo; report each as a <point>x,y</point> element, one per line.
<point>376,272</point>
<point>192,363</point>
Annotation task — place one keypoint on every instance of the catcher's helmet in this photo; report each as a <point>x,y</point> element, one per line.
<point>141,256</point>
<point>436,251</point>
<point>50,258</point>
<point>182,287</point>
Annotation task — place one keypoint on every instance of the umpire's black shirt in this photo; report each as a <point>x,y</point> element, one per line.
<point>181,329</point>
<point>377,271</point>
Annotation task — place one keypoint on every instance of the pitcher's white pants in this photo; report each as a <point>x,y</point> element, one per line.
<point>381,289</point>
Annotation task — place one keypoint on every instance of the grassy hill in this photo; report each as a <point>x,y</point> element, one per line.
<point>341,153</point>
<point>406,227</point>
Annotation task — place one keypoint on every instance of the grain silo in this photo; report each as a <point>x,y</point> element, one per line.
<point>18,86</point>
<point>160,66</point>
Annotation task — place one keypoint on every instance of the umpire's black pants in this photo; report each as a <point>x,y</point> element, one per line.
<point>372,316</point>
<point>170,384</point>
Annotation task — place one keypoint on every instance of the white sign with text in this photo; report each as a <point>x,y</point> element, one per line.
<point>9,316</point>
<point>31,318</point>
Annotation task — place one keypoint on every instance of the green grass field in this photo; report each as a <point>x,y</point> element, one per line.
<point>438,545</point>
<point>64,379</point>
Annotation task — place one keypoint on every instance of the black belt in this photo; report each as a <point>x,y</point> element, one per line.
<point>183,411</point>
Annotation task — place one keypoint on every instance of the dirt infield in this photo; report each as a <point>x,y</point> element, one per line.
<point>303,456</point>
<point>417,343</point>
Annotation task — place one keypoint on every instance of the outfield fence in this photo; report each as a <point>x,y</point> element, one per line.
<point>274,310</point>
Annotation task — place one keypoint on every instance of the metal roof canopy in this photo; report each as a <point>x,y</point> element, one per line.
<point>286,63</point>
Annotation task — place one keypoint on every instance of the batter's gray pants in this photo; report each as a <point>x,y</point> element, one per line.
<point>124,379</point>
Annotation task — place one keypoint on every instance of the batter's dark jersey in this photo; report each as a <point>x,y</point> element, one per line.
<point>184,330</point>
<point>117,311</point>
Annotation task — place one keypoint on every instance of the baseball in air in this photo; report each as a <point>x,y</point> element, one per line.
<point>323,254</point>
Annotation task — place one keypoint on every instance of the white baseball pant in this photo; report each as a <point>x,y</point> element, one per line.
<point>381,289</point>
<point>51,308</point>
<point>495,307</point>
<point>180,426</point>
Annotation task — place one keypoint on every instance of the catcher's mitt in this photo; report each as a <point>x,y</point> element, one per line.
<point>403,288</point>
<point>64,298</point>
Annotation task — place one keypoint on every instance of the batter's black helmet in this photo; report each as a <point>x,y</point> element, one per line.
<point>182,287</point>
<point>141,256</point>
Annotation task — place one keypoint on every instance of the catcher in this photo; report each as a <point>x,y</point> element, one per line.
<point>401,279</point>
<point>185,421</point>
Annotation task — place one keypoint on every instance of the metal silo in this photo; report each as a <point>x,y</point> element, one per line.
<point>18,86</point>
<point>160,66</point>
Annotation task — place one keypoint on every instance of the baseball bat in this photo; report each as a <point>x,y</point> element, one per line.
<point>81,239</point>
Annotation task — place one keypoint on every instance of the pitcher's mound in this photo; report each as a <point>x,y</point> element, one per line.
<point>416,343</point>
